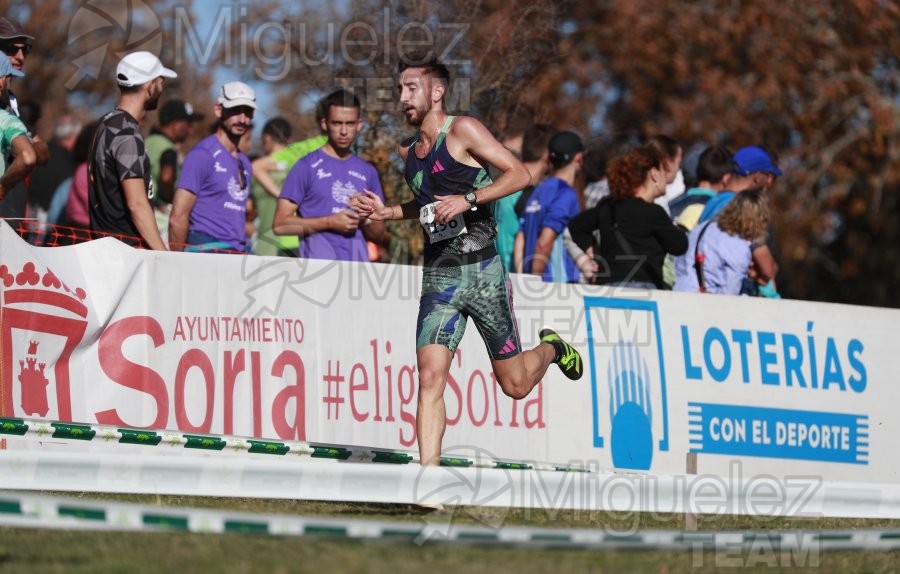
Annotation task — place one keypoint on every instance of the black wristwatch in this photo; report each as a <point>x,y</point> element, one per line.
<point>470,197</point>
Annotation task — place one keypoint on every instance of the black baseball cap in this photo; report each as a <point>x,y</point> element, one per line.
<point>174,110</point>
<point>563,147</point>
<point>11,30</point>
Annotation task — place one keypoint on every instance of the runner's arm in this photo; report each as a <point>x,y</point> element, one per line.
<point>369,206</point>
<point>470,142</point>
<point>484,148</point>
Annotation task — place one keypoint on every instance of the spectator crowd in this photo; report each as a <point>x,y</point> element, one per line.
<point>624,215</point>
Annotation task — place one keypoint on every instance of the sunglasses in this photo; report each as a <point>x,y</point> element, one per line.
<point>13,49</point>
<point>241,175</point>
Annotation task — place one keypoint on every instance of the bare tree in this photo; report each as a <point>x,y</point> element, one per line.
<point>77,46</point>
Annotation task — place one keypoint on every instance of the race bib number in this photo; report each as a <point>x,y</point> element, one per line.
<point>440,231</point>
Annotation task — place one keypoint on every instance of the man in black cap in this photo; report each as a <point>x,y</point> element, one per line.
<point>15,43</point>
<point>176,122</point>
<point>539,246</point>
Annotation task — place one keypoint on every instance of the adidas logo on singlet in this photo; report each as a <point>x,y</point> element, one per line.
<point>437,168</point>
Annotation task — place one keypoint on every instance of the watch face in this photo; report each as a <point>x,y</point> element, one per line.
<point>470,197</point>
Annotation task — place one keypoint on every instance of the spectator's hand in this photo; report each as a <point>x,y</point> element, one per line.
<point>587,266</point>
<point>345,222</point>
<point>369,206</point>
<point>753,273</point>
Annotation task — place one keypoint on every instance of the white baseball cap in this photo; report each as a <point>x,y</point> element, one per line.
<point>139,68</point>
<point>234,94</point>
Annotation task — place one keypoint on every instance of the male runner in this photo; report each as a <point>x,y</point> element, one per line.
<point>446,167</point>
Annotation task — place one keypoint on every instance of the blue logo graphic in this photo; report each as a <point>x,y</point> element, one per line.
<point>629,408</point>
<point>627,380</point>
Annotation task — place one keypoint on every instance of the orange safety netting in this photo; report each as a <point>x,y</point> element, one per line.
<point>49,235</point>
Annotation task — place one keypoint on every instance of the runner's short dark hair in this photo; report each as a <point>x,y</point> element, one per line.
<point>427,62</point>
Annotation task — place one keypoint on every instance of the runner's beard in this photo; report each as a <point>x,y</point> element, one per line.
<point>417,118</point>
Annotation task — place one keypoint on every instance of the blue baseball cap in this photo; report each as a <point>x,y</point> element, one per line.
<point>751,159</point>
<point>6,68</point>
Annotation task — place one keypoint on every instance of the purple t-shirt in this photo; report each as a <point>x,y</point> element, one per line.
<point>322,185</point>
<point>211,173</point>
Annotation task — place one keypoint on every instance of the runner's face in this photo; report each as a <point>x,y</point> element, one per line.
<point>342,125</point>
<point>415,97</point>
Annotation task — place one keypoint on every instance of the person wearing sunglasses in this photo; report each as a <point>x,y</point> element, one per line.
<point>15,43</point>
<point>210,205</point>
<point>120,189</point>
<point>14,140</point>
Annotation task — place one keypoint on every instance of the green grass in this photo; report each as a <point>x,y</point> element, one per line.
<point>26,550</point>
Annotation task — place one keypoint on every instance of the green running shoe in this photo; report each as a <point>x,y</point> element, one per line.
<point>568,359</point>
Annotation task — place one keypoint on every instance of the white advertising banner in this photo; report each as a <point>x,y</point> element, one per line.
<point>324,351</point>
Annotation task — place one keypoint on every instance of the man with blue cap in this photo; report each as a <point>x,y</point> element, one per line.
<point>14,140</point>
<point>753,170</point>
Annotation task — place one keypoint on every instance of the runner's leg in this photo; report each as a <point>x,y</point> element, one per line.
<point>431,414</point>
<point>518,375</point>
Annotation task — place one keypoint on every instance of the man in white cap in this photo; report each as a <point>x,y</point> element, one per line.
<point>119,184</point>
<point>210,207</point>
<point>14,140</point>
